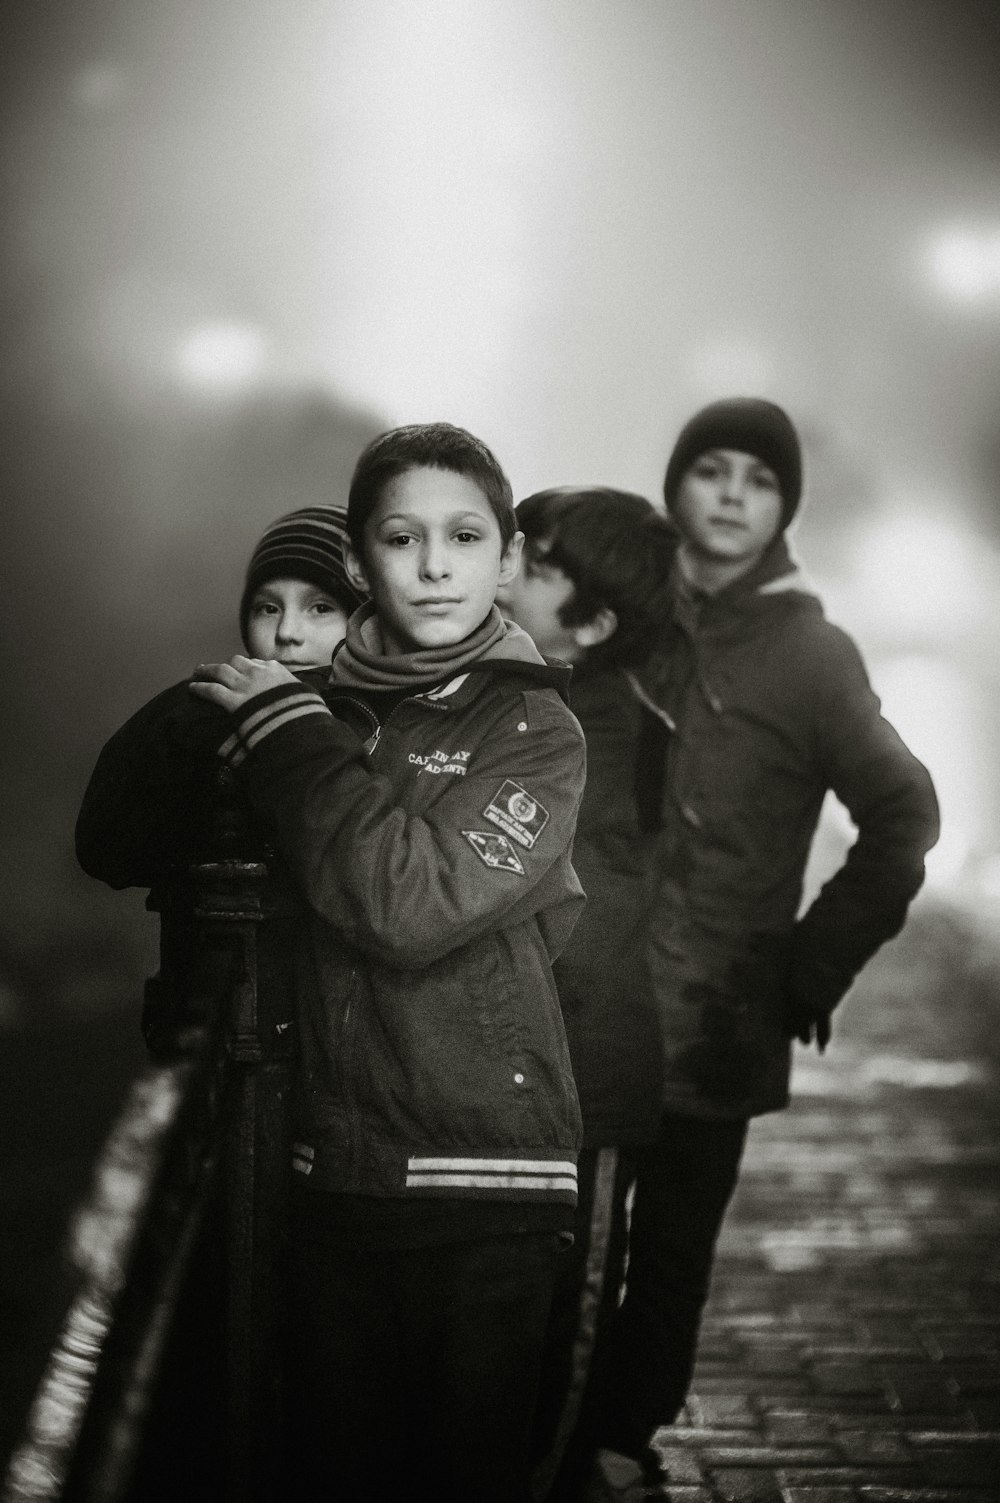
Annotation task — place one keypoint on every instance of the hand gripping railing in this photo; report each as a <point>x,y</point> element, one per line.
<point>165,1380</point>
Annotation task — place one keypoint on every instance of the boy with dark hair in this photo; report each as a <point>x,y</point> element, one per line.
<point>594,570</point>
<point>770,707</point>
<point>436,446</point>
<point>594,560</point>
<point>425,805</point>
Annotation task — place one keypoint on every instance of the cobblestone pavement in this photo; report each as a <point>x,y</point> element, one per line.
<point>851,1348</point>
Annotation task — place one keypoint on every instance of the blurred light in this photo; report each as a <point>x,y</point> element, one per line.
<point>920,572</point>
<point>965,264</point>
<point>222,358</point>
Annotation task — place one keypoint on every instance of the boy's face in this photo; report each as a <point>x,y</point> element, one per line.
<point>432,559</point>
<point>534,599</point>
<point>294,622</point>
<point>729,507</point>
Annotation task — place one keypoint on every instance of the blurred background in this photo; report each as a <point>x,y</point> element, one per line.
<point>240,240</point>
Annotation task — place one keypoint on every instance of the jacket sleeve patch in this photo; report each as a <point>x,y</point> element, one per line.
<point>494,850</point>
<point>517,813</point>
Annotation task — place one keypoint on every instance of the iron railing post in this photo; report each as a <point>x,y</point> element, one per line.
<point>186,1215</point>
<point>235,910</point>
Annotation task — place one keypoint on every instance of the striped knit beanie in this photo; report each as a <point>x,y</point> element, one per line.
<point>750,425</point>
<point>306,544</point>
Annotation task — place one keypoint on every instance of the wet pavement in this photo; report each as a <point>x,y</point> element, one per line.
<point>851,1347</point>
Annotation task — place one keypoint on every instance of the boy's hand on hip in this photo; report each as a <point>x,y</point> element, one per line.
<point>232,684</point>
<point>808,1024</point>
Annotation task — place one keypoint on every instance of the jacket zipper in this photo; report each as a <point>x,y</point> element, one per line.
<point>369,714</point>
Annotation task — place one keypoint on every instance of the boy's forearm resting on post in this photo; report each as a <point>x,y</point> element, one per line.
<point>408,886</point>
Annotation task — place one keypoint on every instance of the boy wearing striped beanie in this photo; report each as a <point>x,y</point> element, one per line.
<point>297,596</point>
<point>145,811</point>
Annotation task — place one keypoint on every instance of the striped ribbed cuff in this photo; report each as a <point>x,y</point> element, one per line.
<point>267,712</point>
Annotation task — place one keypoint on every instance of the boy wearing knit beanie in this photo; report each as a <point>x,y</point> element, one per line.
<point>769,707</point>
<point>152,792</point>
<point>297,596</point>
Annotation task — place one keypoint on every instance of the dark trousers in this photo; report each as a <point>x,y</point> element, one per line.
<point>584,1304</point>
<point>642,1355</point>
<point>414,1373</point>
<point>684,1182</point>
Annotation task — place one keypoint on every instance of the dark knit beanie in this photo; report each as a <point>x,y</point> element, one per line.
<point>306,544</point>
<point>751,425</point>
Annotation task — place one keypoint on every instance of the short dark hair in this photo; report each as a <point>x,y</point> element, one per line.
<point>617,549</point>
<point>435,446</point>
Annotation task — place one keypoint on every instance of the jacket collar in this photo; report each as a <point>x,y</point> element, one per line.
<point>776,574</point>
<point>464,687</point>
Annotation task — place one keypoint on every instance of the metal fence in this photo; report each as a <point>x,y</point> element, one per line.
<point>165,1379</point>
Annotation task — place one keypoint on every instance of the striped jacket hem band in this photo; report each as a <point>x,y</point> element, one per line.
<point>485,1174</point>
<point>452,1181</point>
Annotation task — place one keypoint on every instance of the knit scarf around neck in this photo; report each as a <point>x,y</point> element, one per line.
<point>363,663</point>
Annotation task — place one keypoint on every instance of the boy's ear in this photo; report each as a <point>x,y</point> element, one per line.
<point>510,560</point>
<point>354,568</point>
<point>602,625</point>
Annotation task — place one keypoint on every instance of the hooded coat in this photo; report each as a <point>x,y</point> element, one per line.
<point>770,707</point>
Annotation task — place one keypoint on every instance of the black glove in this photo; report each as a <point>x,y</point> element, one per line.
<point>813,988</point>
<point>807,1023</point>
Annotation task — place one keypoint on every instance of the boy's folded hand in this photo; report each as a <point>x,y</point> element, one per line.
<point>232,684</point>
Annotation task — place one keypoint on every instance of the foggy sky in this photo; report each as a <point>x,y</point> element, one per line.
<point>239,240</point>
<point>563,224</point>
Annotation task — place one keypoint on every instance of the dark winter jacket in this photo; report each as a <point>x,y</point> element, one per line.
<point>434,855</point>
<point>602,976</point>
<point>771,707</point>
<point>433,851</point>
<point>156,792</point>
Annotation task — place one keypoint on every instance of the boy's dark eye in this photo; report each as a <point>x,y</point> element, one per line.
<point>467,537</point>
<point>764,480</point>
